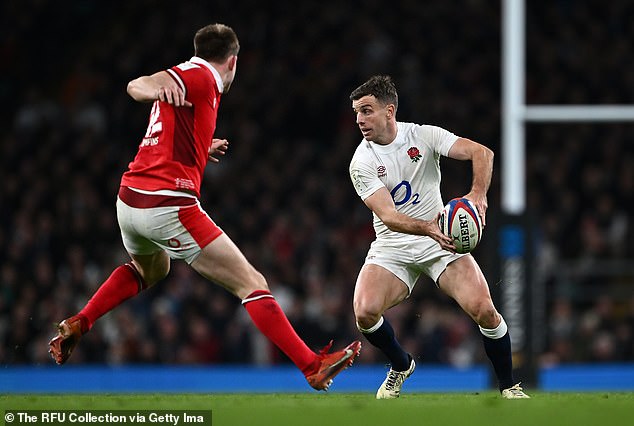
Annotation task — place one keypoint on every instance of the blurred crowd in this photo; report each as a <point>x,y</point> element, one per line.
<point>282,192</point>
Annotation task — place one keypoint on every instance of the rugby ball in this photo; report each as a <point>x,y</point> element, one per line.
<point>460,221</point>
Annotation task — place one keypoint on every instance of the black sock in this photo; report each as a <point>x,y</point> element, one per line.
<point>384,339</point>
<point>499,352</point>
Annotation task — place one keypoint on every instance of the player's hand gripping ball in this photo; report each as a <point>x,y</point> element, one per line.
<point>460,221</point>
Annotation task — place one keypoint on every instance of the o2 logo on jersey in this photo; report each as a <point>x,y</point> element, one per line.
<point>402,194</point>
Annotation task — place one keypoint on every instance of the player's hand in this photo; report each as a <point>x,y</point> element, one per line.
<point>481,204</point>
<point>173,95</point>
<point>434,231</point>
<point>218,147</point>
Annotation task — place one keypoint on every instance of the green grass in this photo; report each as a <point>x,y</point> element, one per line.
<point>306,409</point>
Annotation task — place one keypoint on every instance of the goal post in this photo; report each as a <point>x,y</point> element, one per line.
<point>521,301</point>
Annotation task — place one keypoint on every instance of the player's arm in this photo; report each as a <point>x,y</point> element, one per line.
<point>482,164</point>
<point>159,86</point>
<point>382,204</point>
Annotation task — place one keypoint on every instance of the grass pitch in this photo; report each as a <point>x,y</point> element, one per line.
<point>325,409</point>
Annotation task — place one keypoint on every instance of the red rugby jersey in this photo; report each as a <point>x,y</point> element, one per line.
<point>173,152</point>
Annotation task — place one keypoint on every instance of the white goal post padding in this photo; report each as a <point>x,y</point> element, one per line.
<point>515,112</point>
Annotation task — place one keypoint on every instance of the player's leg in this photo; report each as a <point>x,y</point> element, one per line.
<point>149,265</point>
<point>464,282</point>
<point>377,290</point>
<point>222,262</point>
<point>124,282</point>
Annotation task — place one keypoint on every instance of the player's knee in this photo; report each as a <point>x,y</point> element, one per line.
<point>486,316</point>
<point>152,269</point>
<point>162,273</point>
<point>156,275</point>
<point>255,282</point>
<point>366,315</point>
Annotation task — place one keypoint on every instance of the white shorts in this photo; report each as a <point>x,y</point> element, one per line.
<point>181,231</point>
<point>410,258</point>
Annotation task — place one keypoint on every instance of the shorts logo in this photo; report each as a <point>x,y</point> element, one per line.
<point>381,171</point>
<point>173,243</point>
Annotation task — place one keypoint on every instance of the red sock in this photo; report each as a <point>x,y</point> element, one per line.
<point>122,284</point>
<point>269,318</point>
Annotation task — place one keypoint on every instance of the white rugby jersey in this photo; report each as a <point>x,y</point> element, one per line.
<point>409,168</point>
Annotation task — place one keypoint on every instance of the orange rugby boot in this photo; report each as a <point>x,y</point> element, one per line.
<point>332,364</point>
<point>68,334</point>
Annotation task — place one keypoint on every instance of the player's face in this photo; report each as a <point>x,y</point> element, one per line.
<point>373,119</point>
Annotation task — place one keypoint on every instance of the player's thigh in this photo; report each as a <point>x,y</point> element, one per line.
<point>222,261</point>
<point>149,259</point>
<point>464,281</point>
<point>152,267</point>
<point>377,289</point>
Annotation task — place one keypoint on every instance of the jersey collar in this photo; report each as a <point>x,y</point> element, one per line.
<point>216,74</point>
<point>392,146</point>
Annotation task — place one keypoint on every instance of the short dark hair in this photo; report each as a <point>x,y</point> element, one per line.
<point>216,42</point>
<point>379,86</point>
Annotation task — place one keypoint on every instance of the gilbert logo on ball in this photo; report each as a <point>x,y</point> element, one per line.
<point>460,221</point>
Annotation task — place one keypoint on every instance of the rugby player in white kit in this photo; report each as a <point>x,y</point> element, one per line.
<point>396,172</point>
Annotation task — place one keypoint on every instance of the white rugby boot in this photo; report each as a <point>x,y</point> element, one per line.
<point>514,392</point>
<point>391,387</point>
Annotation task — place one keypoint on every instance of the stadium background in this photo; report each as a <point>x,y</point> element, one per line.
<point>283,192</point>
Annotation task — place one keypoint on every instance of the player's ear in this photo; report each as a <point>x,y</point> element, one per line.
<point>390,111</point>
<point>233,60</point>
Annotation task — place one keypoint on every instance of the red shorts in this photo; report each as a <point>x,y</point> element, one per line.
<point>177,225</point>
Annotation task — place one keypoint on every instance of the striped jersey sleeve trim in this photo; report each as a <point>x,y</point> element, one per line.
<point>178,80</point>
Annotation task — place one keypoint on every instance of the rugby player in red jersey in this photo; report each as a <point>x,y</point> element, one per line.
<point>160,216</point>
